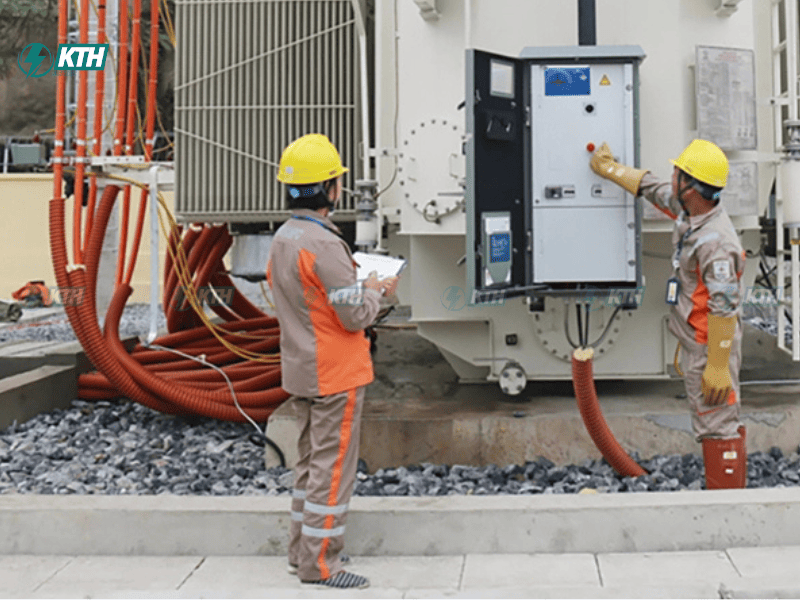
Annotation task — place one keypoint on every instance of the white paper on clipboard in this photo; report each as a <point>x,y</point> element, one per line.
<point>386,266</point>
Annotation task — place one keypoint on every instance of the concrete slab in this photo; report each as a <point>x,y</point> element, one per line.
<point>669,568</point>
<point>238,573</point>
<point>266,577</point>
<point>20,575</point>
<point>101,576</point>
<point>496,571</point>
<point>404,572</point>
<point>766,562</point>
<point>688,590</point>
<point>262,575</point>
<point>761,587</point>
<point>28,394</point>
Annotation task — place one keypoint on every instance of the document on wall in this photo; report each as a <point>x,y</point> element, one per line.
<point>726,97</point>
<point>386,266</point>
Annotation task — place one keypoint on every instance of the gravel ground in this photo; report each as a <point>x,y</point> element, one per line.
<point>126,448</point>
<point>135,322</point>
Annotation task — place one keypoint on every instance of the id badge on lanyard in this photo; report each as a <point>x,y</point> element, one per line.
<point>673,290</point>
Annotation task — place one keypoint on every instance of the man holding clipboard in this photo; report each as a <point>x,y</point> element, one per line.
<point>325,357</point>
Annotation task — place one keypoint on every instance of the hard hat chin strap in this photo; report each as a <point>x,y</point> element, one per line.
<point>706,191</point>
<point>684,189</point>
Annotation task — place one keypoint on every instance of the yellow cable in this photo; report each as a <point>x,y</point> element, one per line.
<point>264,293</point>
<point>163,9</point>
<point>180,262</point>
<point>676,362</point>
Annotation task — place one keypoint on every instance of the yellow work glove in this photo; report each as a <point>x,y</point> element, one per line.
<point>603,164</point>
<point>717,384</point>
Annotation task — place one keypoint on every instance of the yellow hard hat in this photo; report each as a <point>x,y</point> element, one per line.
<point>704,161</point>
<point>310,159</point>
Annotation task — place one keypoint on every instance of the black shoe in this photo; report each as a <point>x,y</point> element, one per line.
<point>342,580</point>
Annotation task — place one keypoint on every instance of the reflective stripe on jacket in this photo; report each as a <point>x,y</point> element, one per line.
<point>709,265</point>
<point>321,311</point>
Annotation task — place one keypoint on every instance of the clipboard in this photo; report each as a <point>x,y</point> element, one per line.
<point>386,266</point>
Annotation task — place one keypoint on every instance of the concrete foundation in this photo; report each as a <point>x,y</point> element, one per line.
<point>416,411</point>
<point>37,377</point>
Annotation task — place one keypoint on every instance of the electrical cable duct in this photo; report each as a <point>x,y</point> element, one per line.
<point>586,394</point>
<point>229,371</point>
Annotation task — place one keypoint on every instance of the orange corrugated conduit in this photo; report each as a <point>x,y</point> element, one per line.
<point>586,393</point>
<point>228,371</point>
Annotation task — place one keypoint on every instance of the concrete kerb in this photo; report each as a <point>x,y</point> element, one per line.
<point>392,526</point>
<point>37,377</point>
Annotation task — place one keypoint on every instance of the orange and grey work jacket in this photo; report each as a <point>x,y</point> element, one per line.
<point>321,310</point>
<point>707,260</point>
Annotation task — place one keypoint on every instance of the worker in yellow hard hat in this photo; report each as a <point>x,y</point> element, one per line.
<point>705,293</point>
<point>325,356</point>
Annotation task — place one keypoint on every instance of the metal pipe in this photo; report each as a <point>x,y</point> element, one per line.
<point>587,23</point>
<point>361,26</point>
<point>153,333</point>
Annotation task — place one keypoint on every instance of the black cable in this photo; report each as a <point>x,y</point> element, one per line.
<point>566,324</point>
<point>772,288</point>
<point>581,341</point>
<point>586,331</point>
<point>607,329</point>
<point>261,439</point>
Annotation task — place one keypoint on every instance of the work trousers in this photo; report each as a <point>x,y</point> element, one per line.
<point>330,427</point>
<point>712,421</point>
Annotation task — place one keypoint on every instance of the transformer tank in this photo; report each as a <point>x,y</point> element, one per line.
<point>421,66</point>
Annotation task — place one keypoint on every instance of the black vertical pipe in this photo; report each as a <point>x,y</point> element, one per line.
<point>587,23</point>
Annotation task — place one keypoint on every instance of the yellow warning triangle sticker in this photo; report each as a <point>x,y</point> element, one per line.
<point>605,80</point>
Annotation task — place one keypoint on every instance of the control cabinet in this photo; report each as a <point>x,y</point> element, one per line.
<point>539,220</point>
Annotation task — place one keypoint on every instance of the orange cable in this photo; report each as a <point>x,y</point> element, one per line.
<point>61,111</point>
<point>122,89</point>
<point>130,114</point>
<point>99,98</point>
<point>83,89</point>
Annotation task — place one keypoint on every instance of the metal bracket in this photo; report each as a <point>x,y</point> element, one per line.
<point>164,172</point>
<point>727,7</point>
<point>427,9</point>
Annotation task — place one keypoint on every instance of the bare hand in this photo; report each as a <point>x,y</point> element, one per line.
<point>389,285</point>
<point>372,283</point>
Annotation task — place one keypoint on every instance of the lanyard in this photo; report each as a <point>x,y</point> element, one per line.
<point>320,223</point>
<point>676,262</point>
